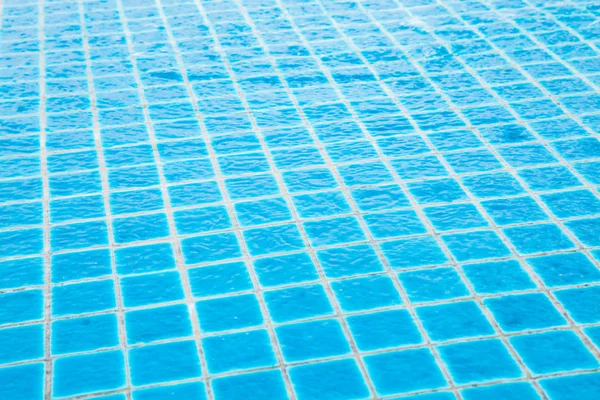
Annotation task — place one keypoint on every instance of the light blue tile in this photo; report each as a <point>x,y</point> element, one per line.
<point>252,386</point>
<point>85,334</point>
<point>160,323</point>
<point>366,293</point>
<point>522,312</point>
<point>298,303</point>
<point>567,352</point>
<point>413,370</point>
<point>238,351</point>
<point>164,362</point>
<point>233,312</point>
<point>89,373</point>
<point>479,361</point>
<point>385,329</point>
<point>336,380</point>
<point>312,340</point>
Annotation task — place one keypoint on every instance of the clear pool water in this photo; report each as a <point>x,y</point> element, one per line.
<point>290,199</point>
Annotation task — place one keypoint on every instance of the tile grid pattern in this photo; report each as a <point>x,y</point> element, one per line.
<point>349,241</point>
<point>363,224</point>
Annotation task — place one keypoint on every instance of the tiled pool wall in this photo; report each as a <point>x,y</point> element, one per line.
<point>275,199</point>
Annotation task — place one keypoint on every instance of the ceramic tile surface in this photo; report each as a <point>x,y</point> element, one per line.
<point>300,199</point>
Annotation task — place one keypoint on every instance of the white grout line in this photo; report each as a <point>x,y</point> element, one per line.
<point>48,368</point>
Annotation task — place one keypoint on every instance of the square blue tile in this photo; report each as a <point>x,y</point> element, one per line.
<point>192,194</point>
<point>479,361</point>
<point>498,277</point>
<point>533,239</point>
<point>590,171</point>
<point>549,178</point>
<point>22,306</point>
<point>229,313</point>
<point>404,372</point>
<point>322,204</point>
<point>348,261</point>
<point>192,390</point>
<point>379,198</point>
<point>76,208</point>
<point>552,352</point>
<point>454,321</point>
<point>420,167</point>
<point>238,351</point>
<point>164,362</point>
<point>81,298</point>
<point>303,181</point>
<point>514,210</point>
<point>366,293</point>
<point>335,380</point>
<point>476,245</point>
<point>521,312</point>
<point>239,164</point>
<point>577,149</point>
<point>493,185</point>
<point>219,279</point>
<point>572,204</point>
<point>22,382</point>
<point>455,217</point>
<point>517,390</point>
<point>136,201</point>
<point>210,248</point>
<point>141,259</point>
<point>252,386</point>
<point>297,303</point>
<point>582,304</point>
<point>565,269</point>
<point>21,343</point>
<point>89,373</point>
<point>385,329</point>
<point>78,236</point>
<point>260,212</point>
<point>286,159</point>
<point>20,273</point>
<point>586,230</point>
<point>202,220</point>
<point>334,231</point>
<point>433,285</point>
<point>394,224</point>
<point>583,386</point>
<point>128,178</point>
<point>312,340</point>
<point>144,227</point>
<point>142,290</point>
<point>160,323</point>
<point>85,334</point>
<point>526,155</point>
<point>286,269</point>
<point>415,252</point>
<point>437,191</point>
<point>274,239</point>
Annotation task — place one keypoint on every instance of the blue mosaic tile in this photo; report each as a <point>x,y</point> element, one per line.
<point>568,354</point>
<point>327,379</point>
<point>164,363</point>
<point>479,361</point>
<point>299,199</point>
<point>422,374</point>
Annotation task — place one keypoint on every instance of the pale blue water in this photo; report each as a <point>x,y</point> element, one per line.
<point>289,199</point>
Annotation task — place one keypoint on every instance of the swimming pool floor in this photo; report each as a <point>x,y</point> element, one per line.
<point>290,199</point>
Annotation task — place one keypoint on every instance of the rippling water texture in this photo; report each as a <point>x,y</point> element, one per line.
<point>300,199</point>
